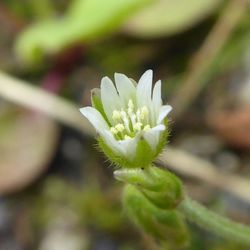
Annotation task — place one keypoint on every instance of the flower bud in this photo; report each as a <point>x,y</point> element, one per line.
<point>159,186</point>
<point>167,226</point>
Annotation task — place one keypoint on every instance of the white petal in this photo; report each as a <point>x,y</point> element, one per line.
<point>95,118</point>
<point>129,145</point>
<point>157,101</point>
<point>126,147</point>
<point>110,98</point>
<point>152,136</point>
<point>164,110</point>
<point>125,88</point>
<point>112,142</point>
<point>159,127</point>
<point>144,89</point>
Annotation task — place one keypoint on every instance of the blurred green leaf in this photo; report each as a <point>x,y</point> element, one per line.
<point>169,16</point>
<point>85,20</point>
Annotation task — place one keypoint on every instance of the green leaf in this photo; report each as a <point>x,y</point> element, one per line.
<point>144,155</point>
<point>169,17</point>
<point>85,20</point>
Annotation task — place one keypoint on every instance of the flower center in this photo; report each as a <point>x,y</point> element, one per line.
<point>128,122</point>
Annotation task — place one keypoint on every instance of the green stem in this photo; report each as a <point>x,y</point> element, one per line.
<point>220,225</point>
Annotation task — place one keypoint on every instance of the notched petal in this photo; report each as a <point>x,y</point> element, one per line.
<point>95,118</point>
<point>144,89</point>
<point>130,147</point>
<point>125,88</point>
<point>157,101</point>
<point>109,97</point>
<point>164,111</point>
<point>111,142</point>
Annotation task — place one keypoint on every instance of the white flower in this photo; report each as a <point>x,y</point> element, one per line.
<point>128,115</point>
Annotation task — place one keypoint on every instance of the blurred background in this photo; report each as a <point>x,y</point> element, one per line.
<point>56,189</point>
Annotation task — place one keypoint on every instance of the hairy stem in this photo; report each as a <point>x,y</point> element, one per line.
<point>220,225</point>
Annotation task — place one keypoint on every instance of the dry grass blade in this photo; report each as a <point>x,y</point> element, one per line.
<point>24,94</point>
<point>200,63</point>
<point>195,167</point>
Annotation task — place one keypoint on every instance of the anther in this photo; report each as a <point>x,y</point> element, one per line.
<point>113,130</point>
<point>146,128</point>
<point>120,127</point>
<point>125,119</point>
<point>138,115</point>
<point>138,126</point>
<point>127,137</point>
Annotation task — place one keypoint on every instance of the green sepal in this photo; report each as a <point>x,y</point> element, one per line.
<point>163,138</point>
<point>159,186</point>
<point>167,226</point>
<point>143,157</point>
<point>144,154</point>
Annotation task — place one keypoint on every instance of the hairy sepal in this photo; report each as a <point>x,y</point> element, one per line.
<point>167,226</point>
<point>159,186</point>
<point>144,154</point>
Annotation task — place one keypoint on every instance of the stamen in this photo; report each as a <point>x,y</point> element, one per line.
<point>120,127</point>
<point>130,111</point>
<point>130,121</point>
<point>123,114</point>
<point>125,120</point>
<point>144,112</point>
<point>131,115</point>
<point>138,115</point>
<point>138,126</point>
<point>116,115</point>
<point>131,104</point>
<point>113,130</point>
<point>146,128</point>
<point>133,119</point>
<point>127,137</point>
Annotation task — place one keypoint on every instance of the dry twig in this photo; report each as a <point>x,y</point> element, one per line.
<point>26,95</point>
<point>193,166</point>
<point>194,78</point>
